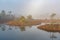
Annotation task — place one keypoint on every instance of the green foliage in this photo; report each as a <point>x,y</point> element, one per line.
<point>22,19</point>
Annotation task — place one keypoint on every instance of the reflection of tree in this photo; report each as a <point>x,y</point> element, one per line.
<point>10,28</point>
<point>3,28</point>
<point>22,28</point>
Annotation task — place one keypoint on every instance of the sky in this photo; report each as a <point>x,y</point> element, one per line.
<point>36,8</point>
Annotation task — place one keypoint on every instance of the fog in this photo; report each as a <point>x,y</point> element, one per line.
<point>36,8</point>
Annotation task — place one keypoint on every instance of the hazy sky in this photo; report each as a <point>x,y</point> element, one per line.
<point>37,8</point>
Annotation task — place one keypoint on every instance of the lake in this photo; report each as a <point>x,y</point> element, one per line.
<point>25,33</point>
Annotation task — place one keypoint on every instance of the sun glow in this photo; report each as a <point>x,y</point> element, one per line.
<point>34,6</point>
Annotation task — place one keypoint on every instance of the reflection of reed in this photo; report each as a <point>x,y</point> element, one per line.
<point>52,36</point>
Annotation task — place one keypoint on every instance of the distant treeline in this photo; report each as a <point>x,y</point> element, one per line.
<point>6,16</point>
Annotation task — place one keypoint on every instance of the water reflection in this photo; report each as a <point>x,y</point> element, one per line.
<point>32,33</point>
<point>2,27</point>
<point>10,28</point>
<point>22,28</point>
<point>52,28</point>
<point>52,36</point>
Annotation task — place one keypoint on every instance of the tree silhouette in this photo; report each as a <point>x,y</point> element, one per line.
<point>52,15</point>
<point>29,17</point>
<point>3,13</point>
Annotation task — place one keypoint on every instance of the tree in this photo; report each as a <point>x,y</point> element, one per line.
<point>29,17</point>
<point>52,15</point>
<point>10,12</point>
<point>22,19</point>
<point>3,13</point>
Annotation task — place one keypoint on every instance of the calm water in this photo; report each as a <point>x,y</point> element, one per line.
<point>28,33</point>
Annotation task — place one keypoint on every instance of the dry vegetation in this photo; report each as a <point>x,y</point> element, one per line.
<point>28,23</point>
<point>50,27</point>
